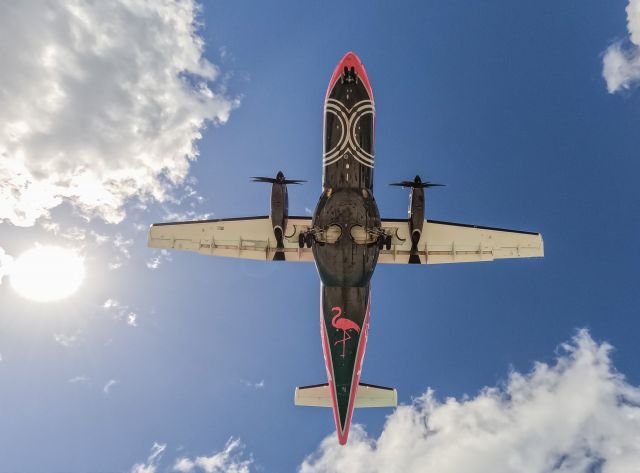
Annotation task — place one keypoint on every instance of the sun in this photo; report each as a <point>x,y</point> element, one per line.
<point>47,273</point>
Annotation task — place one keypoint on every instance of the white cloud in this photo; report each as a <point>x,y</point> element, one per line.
<point>131,319</point>
<point>621,64</point>
<point>184,465</point>
<point>185,205</point>
<point>162,256</point>
<point>110,384</point>
<point>79,380</point>
<point>101,102</point>
<point>576,415</point>
<point>154,263</point>
<point>66,341</point>
<point>111,304</point>
<point>249,384</point>
<point>122,245</point>
<point>99,237</point>
<point>116,263</point>
<point>48,225</point>
<point>120,311</point>
<point>229,460</point>
<point>152,461</point>
<point>74,233</point>
<point>6,261</point>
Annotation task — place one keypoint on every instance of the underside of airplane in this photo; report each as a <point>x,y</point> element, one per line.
<point>347,239</point>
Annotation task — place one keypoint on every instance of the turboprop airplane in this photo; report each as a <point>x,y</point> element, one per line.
<point>346,238</point>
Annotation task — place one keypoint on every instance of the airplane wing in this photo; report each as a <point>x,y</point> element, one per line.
<point>249,238</point>
<point>447,242</point>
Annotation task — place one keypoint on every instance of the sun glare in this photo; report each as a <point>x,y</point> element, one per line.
<point>47,273</point>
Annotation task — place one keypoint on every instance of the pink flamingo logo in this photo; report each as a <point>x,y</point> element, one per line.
<point>345,325</point>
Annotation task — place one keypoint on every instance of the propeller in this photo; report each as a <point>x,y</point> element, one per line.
<point>416,184</point>
<point>279,179</point>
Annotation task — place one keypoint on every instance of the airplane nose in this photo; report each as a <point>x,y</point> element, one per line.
<point>350,60</point>
<point>351,65</point>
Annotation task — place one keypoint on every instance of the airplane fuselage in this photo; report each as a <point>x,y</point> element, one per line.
<point>349,227</point>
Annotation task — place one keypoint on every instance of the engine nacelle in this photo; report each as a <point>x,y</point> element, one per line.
<point>279,214</point>
<point>416,214</point>
<point>279,208</point>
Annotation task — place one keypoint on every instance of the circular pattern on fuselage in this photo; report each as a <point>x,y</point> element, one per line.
<point>349,119</point>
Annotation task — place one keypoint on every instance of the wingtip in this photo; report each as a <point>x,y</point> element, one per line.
<point>149,235</point>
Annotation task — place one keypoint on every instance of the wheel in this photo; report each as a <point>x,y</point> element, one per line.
<point>301,240</point>
<point>309,240</point>
<point>387,242</point>
<point>380,242</point>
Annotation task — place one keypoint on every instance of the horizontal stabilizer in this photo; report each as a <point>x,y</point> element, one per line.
<point>368,395</point>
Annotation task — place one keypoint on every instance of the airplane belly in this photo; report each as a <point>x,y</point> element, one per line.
<point>346,249</point>
<point>344,324</point>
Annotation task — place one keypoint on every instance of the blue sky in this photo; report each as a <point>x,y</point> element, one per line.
<point>505,102</point>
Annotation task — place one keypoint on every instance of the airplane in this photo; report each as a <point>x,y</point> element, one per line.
<point>346,238</point>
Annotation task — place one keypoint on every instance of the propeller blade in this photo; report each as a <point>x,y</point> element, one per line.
<point>263,179</point>
<point>416,185</point>
<point>273,180</point>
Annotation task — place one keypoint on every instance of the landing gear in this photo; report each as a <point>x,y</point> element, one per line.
<point>349,76</point>
<point>384,242</point>
<point>308,239</point>
<point>305,239</point>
